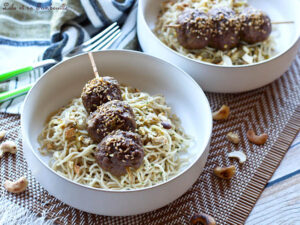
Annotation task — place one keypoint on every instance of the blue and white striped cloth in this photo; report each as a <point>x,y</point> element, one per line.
<point>33,30</point>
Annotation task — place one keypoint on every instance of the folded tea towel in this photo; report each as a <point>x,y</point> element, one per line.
<point>33,30</point>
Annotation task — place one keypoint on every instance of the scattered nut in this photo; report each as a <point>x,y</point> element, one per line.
<point>222,113</point>
<point>233,137</point>
<point>76,169</point>
<point>180,7</point>
<point>203,219</point>
<point>17,186</point>
<point>49,146</point>
<point>238,155</point>
<point>8,146</point>
<point>255,139</point>
<point>2,134</point>
<point>70,133</point>
<point>166,125</point>
<point>225,172</point>
<point>160,140</point>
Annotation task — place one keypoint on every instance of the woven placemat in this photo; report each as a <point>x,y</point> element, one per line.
<point>274,109</point>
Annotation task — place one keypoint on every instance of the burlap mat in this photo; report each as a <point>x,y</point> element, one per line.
<point>274,109</point>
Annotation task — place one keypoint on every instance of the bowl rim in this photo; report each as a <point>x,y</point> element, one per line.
<point>142,16</point>
<point>181,173</point>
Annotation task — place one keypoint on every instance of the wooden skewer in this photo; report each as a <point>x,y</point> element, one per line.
<point>277,22</point>
<point>94,65</point>
<point>282,22</point>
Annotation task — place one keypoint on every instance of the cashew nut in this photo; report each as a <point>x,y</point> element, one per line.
<point>70,133</point>
<point>2,134</point>
<point>238,155</point>
<point>203,218</point>
<point>8,146</point>
<point>17,186</point>
<point>49,146</point>
<point>225,172</point>
<point>222,113</point>
<point>160,140</point>
<point>233,137</point>
<point>255,139</point>
<point>77,169</point>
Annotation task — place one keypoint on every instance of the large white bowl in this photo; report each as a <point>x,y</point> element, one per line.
<point>147,73</point>
<point>216,78</point>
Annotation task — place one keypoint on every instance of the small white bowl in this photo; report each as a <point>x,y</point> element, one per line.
<point>229,79</point>
<point>147,73</point>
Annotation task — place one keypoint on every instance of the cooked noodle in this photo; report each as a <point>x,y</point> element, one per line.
<point>243,54</point>
<point>74,157</point>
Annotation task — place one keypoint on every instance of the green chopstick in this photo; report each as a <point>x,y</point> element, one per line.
<point>4,96</point>
<point>11,74</point>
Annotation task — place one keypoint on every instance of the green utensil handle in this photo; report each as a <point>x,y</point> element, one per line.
<point>8,75</point>
<point>14,93</point>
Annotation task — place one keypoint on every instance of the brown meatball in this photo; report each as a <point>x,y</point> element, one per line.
<point>99,91</point>
<point>256,25</point>
<point>225,28</point>
<point>120,150</point>
<point>194,30</point>
<point>108,117</point>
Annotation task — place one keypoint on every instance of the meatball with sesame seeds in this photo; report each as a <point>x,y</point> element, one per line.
<point>225,28</point>
<point>194,29</point>
<point>99,91</point>
<point>120,150</point>
<point>108,117</point>
<point>256,25</point>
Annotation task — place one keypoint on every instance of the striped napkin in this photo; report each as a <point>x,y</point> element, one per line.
<point>33,30</point>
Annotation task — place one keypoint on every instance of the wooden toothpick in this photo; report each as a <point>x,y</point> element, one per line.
<point>94,65</point>
<point>282,22</point>
<point>276,22</point>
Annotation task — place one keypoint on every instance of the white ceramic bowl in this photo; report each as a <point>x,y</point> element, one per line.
<point>216,78</point>
<point>147,73</point>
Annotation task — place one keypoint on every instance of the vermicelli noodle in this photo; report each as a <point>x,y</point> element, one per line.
<point>74,158</point>
<point>243,54</point>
